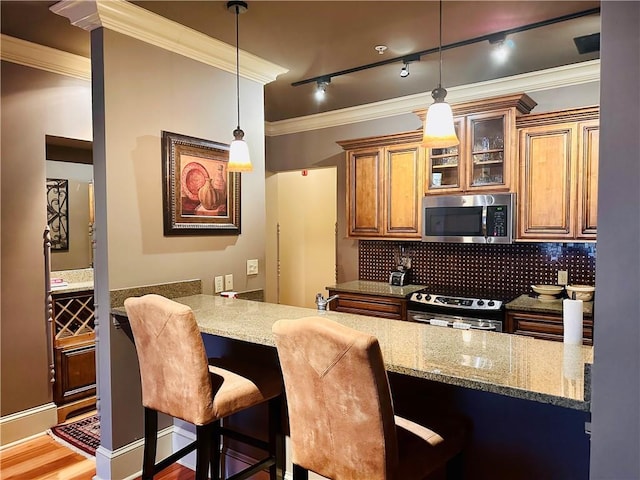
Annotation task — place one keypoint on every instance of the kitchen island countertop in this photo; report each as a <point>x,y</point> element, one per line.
<point>511,365</point>
<point>375,288</point>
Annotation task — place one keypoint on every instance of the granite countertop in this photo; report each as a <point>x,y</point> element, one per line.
<point>74,280</point>
<point>511,365</point>
<point>526,303</point>
<point>375,288</point>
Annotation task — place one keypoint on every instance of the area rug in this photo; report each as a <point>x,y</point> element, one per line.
<point>82,435</point>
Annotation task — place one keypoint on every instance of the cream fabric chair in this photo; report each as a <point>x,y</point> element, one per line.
<point>341,415</point>
<point>178,380</point>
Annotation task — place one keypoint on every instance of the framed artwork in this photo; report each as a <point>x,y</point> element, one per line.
<point>200,196</point>
<point>58,213</point>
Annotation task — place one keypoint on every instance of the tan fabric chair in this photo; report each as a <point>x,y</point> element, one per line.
<point>178,380</point>
<point>341,416</point>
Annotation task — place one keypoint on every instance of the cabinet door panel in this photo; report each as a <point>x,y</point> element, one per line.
<point>365,193</point>
<point>588,180</point>
<point>489,144</point>
<point>547,156</point>
<point>403,190</point>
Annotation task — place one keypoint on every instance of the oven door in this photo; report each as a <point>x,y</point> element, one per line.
<point>454,321</point>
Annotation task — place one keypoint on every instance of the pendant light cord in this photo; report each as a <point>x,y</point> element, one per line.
<point>440,47</point>
<point>238,63</point>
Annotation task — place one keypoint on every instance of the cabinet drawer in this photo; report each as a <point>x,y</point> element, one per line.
<point>374,306</point>
<point>544,326</point>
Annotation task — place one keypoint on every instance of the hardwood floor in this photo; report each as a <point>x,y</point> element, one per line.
<point>45,459</point>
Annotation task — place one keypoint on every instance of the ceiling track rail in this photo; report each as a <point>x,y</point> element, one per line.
<point>415,56</point>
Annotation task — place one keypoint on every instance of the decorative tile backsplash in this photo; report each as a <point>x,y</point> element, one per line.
<point>491,271</point>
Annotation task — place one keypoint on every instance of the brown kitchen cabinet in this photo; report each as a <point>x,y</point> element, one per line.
<point>384,186</point>
<point>371,305</point>
<point>545,326</point>
<point>558,161</point>
<point>74,385</point>
<point>485,160</point>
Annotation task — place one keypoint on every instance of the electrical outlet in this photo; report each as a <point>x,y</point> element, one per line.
<point>228,281</point>
<point>252,267</point>
<point>563,277</point>
<point>218,284</point>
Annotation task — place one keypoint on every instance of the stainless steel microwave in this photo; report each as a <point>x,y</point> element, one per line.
<point>479,218</point>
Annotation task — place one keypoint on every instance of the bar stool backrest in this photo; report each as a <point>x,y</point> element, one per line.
<point>340,409</point>
<point>173,362</point>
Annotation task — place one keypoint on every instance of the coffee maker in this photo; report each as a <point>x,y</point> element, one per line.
<point>402,274</point>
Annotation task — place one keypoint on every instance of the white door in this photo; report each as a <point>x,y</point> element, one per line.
<point>301,235</point>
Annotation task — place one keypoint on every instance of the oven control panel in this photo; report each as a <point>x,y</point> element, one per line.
<point>455,302</point>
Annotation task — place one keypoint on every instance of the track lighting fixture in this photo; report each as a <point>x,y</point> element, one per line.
<point>593,45</point>
<point>439,131</point>
<point>404,71</point>
<point>239,160</point>
<point>321,88</point>
<point>501,47</point>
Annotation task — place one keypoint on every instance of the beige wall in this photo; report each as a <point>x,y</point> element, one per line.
<point>301,238</point>
<point>34,104</point>
<point>79,176</point>
<point>141,90</point>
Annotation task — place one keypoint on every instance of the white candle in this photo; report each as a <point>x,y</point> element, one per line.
<point>572,321</point>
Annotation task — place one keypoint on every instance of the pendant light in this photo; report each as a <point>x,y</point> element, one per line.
<point>239,160</point>
<point>439,131</point>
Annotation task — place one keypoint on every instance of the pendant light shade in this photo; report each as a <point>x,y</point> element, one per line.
<point>239,160</point>
<point>439,131</point>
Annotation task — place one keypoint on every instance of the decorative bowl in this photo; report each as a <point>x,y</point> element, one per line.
<point>581,292</point>
<point>547,292</point>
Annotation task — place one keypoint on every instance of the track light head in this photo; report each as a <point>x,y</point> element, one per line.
<point>404,71</point>
<point>321,88</point>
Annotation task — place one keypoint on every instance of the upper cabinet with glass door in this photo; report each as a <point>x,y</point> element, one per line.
<point>485,160</point>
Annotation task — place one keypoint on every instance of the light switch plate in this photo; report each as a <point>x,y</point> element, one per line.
<point>218,284</point>
<point>563,277</point>
<point>228,281</point>
<point>252,267</point>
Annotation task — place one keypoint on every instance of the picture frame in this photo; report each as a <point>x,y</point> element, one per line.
<point>58,213</point>
<point>200,197</point>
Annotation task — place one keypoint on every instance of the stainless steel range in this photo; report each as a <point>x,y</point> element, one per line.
<point>456,312</point>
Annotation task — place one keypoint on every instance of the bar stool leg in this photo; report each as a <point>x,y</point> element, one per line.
<point>216,464</point>
<point>300,473</point>
<point>276,439</point>
<point>204,438</point>
<point>150,443</point>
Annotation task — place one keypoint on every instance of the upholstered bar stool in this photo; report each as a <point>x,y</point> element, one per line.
<point>341,415</point>
<point>179,380</point>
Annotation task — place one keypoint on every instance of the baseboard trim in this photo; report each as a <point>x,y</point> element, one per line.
<point>126,462</point>
<point>27,424</point>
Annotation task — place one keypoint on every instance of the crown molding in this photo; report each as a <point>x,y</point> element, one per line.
<point>131,20</point>
<point>38,56</point>
<point>567,75</point>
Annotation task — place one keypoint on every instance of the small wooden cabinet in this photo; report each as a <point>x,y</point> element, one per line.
<point>384,186</point>
<point>74,352</point>
<point>485,160</point>
<point>558,156</point>
<point>371,305</point>
<point>545,326</point>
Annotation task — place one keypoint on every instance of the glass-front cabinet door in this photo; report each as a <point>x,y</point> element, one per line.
<point>447,165</point>
<point>488,144</point>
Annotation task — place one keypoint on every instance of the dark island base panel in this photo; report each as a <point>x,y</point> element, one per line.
<point>511,438</point>
<point>496,271</point>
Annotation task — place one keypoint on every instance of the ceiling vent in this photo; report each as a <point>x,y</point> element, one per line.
<point>588,43</point>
